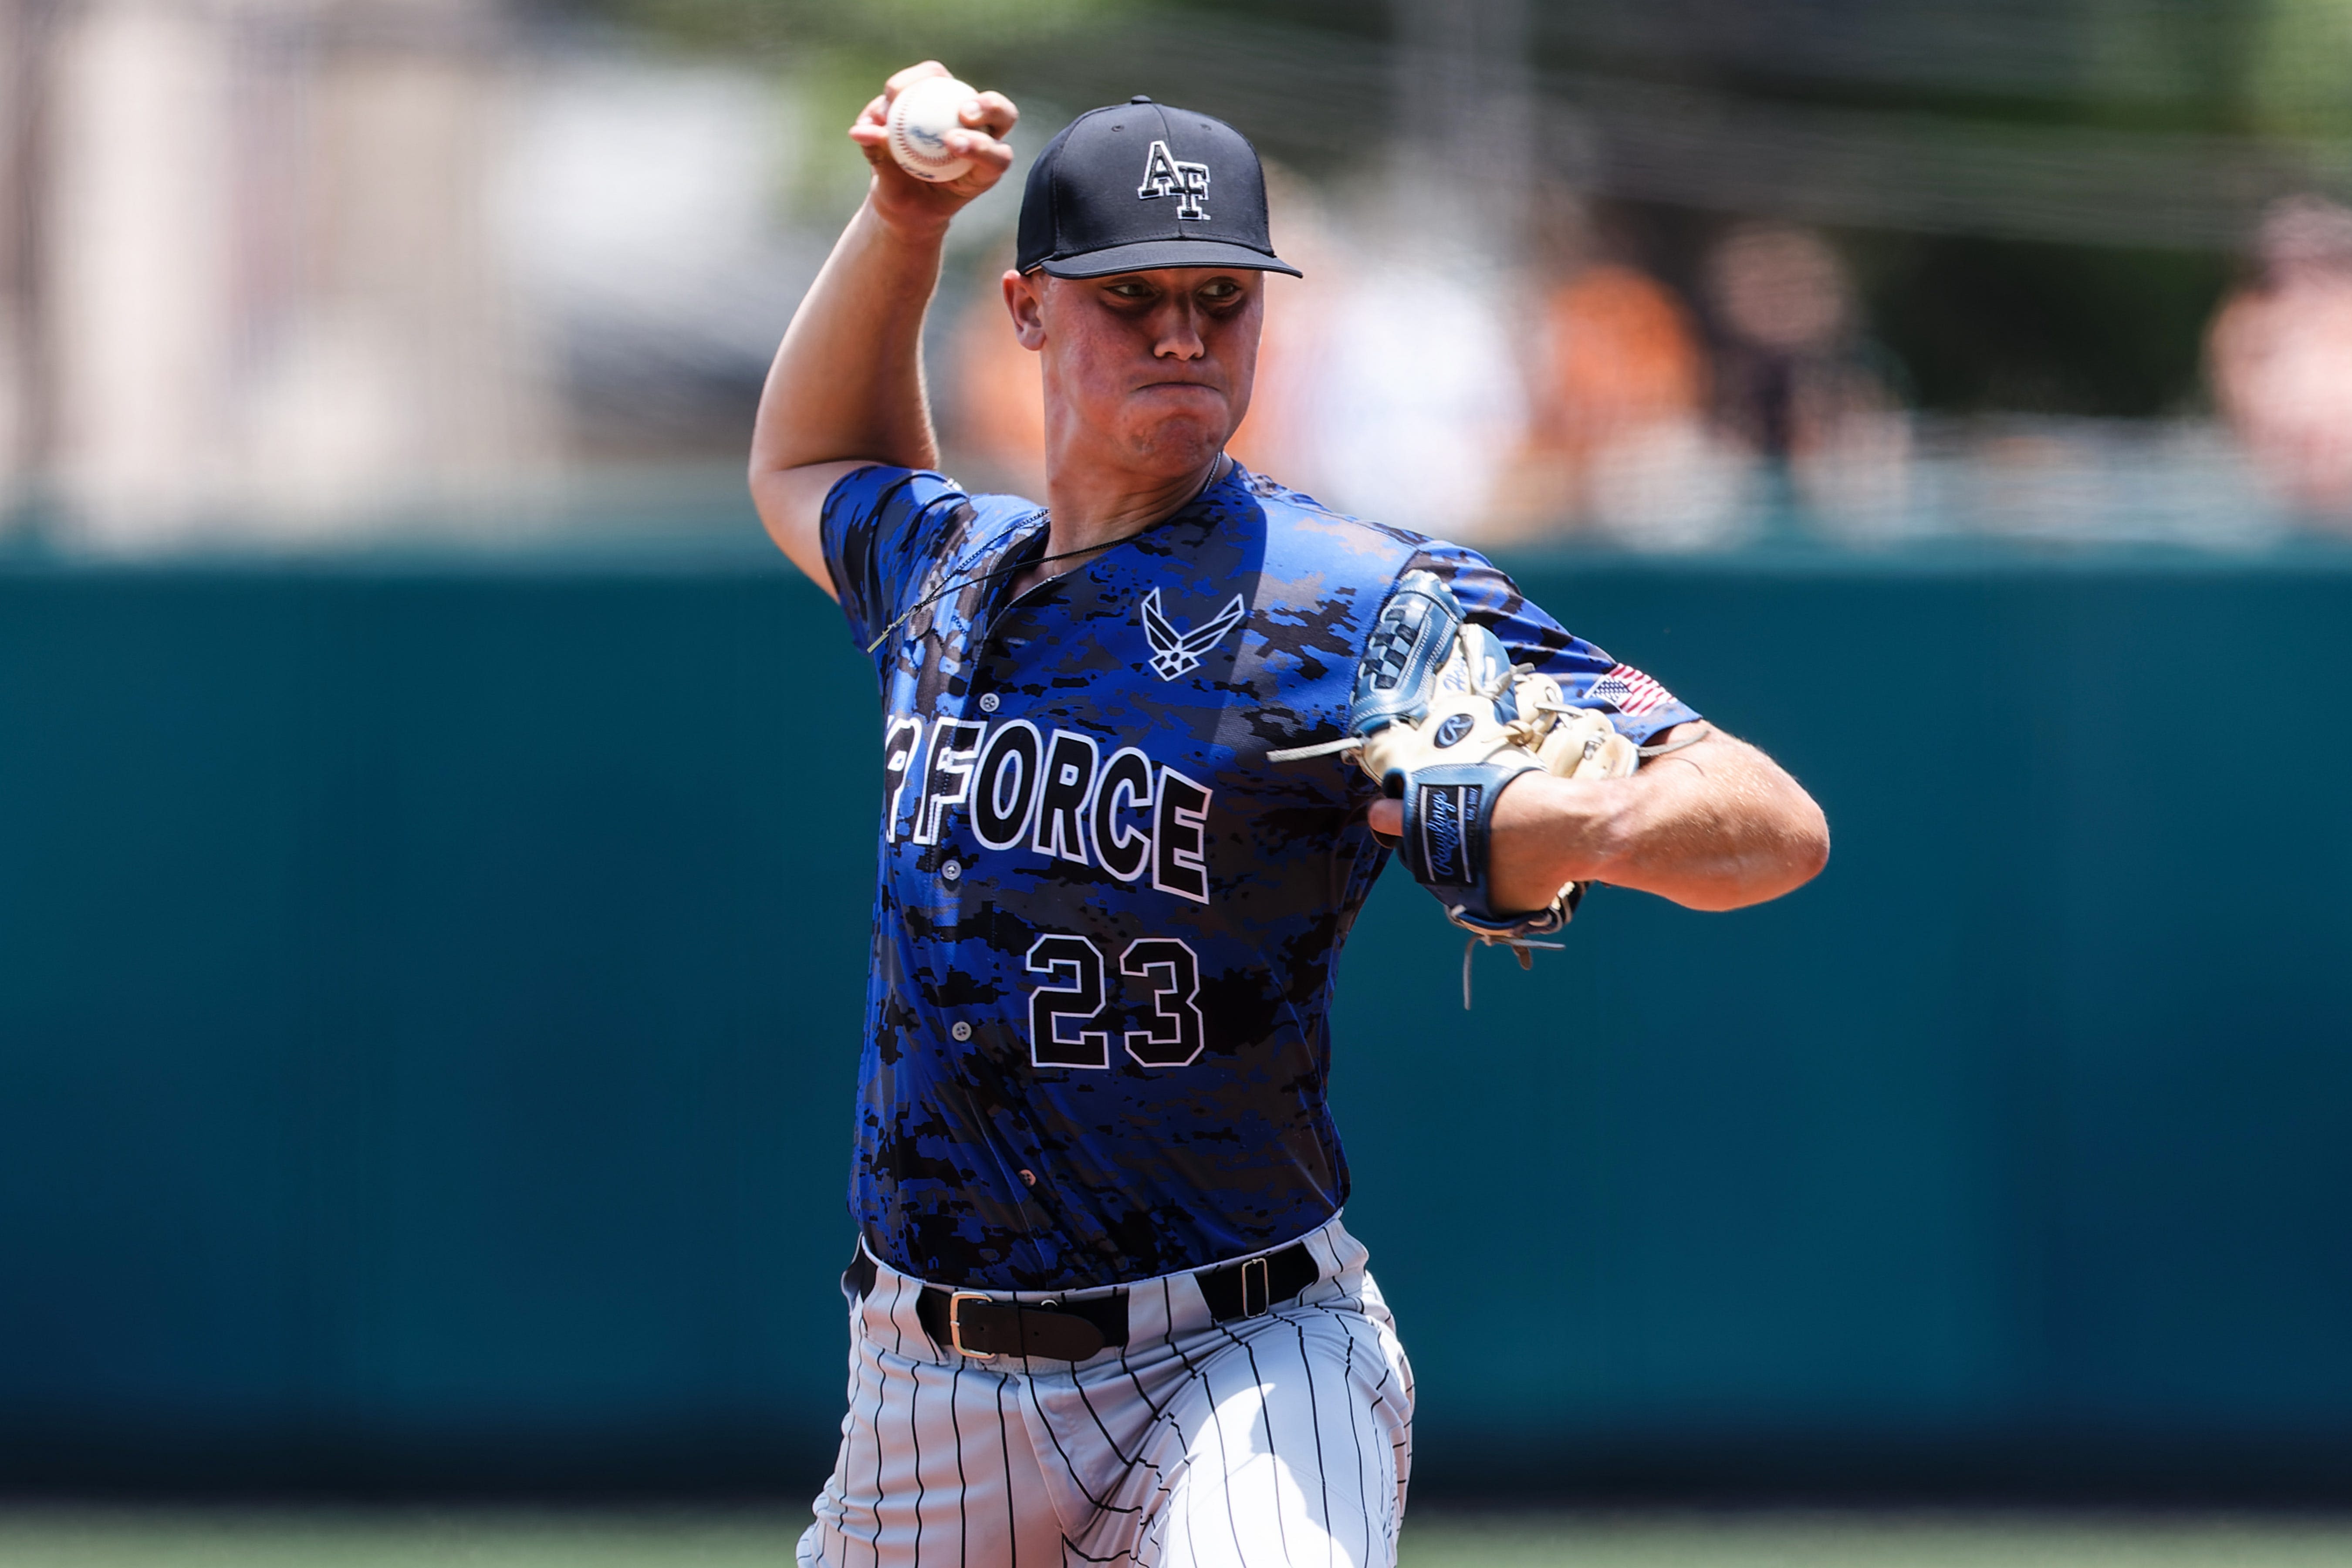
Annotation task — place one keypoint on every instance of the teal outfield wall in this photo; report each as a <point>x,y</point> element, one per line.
<point>428,1005</point>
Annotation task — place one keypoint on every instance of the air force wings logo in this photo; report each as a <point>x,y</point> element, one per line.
<point>1175,653</point>
<point>1188,182</point>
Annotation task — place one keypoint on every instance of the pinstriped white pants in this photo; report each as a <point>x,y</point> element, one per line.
<point>1282,1439</point>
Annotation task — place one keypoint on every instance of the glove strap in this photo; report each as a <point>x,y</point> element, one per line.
<point>1449,815</point>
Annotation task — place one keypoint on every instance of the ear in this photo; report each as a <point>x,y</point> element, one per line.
<point>1026,305</point>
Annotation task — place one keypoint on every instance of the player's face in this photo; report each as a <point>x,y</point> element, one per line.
<point>1152,370</point>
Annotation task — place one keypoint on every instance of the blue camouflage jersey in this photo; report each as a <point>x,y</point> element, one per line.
<point>1097,1027</point>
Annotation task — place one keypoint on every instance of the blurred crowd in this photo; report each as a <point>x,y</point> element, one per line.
<point>1579,394</point>
<point>1583,394</point>
<point>2280,354</point>
<point>317,270</point>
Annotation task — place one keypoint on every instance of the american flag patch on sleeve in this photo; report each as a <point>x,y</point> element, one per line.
<point>1629,691</point>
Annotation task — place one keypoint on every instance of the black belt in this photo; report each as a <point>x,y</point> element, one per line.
<point>1073,1327</point>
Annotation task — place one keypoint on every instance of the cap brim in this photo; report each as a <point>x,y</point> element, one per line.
<point>1145,254</point>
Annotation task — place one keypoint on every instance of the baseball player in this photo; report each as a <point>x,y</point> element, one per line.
<point>1144,748</point>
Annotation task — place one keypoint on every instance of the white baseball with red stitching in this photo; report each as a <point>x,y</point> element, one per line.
<point>921,118</point>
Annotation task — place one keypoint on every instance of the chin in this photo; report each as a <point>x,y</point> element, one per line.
<point>1172,445</point>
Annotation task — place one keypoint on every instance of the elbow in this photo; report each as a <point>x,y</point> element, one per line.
<point>1791,857</point>
<point>1804,854</point>
<point>764,477</point>
<point>1804,848</point>
<point>1809,852</point>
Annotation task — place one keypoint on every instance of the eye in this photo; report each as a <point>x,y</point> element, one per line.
<point>1219,291</point>
<point>1129,289</point>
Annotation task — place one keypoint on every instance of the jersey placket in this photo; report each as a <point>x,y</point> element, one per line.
<point>961,873</point>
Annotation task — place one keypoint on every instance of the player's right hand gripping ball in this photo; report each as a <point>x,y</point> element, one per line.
<point>1443,721</point>
<point>921,118</point>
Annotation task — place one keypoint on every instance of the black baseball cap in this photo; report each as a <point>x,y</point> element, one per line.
<point>1143,185</point>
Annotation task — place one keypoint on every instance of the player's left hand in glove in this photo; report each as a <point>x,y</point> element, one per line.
<point>1444,722</point>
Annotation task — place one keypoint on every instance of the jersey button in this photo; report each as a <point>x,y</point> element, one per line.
<point>951,871</point>
<point>990,702</point>
<point>961,1030</point>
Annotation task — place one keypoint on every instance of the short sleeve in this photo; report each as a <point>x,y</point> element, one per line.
<point>1639,707</point>
<point>882,528</point>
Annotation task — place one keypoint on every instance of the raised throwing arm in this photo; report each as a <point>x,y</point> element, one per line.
<point>846,387</point>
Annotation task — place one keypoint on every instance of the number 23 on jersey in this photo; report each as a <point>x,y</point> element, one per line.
<point>1073,1016</point>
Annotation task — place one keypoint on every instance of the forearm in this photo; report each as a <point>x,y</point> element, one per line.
<point>847,382</point>
<point>1713,825</point>
<point>846,387</point>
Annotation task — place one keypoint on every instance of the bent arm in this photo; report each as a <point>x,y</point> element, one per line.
<point>1713,825</point>
<point>846,387</point>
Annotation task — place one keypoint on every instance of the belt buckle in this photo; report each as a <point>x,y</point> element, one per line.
<point>1264,1273</point>
<point>955,1323</point>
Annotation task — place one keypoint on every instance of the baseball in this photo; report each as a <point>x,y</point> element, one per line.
<point>921,118</point>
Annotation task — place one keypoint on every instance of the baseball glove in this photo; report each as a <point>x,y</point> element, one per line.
<point>1443,720</point>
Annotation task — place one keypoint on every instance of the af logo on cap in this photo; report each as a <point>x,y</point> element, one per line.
<point>1084,214</point>
<point>1164,175</point>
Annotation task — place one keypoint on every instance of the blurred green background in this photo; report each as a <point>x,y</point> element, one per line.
<point>432,998</point>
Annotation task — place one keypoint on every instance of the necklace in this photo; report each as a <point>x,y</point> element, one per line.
<point>1217,470</point>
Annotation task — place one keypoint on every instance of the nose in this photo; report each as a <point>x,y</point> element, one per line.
<point>1177,331</point>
